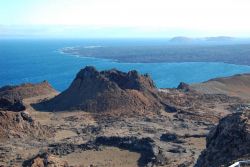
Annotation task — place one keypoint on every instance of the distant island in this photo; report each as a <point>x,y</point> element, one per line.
<point>183,39</point>
<point>178,49</point>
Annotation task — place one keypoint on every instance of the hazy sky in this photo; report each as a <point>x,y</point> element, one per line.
<point>125,18</point>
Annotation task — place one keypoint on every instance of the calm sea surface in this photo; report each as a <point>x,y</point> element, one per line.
<point>37,60</point>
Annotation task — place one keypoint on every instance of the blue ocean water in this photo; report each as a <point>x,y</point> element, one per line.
<point>31,60</point>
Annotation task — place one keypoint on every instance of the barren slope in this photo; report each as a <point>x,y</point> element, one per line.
<point>237,85</point>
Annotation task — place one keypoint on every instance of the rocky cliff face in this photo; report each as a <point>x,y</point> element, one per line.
<point>111,90</point>
<point>11,96</point>
<point>228,142</point>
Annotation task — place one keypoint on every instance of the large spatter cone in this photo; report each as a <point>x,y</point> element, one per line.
<point>109,90</point>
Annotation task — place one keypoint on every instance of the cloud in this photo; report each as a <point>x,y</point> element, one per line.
<point>126,17</point>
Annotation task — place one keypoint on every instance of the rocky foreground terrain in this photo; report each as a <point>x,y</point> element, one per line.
<point>228,142</point>
<point>112,118</point>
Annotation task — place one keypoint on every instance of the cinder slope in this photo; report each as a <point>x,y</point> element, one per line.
<point>111,90</point>
<point>237,85</point>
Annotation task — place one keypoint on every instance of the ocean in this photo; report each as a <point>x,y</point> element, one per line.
<point>33,60</point>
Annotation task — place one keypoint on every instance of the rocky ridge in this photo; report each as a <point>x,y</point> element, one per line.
<point>11,97</point>
<point>228,142</point>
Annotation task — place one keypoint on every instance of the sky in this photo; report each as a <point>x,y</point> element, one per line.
<point>124,18</point>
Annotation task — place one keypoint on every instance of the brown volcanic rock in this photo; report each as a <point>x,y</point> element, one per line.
<point>110,90</point>
<point>45,160</point>
<point>11,96</point>
<point>228,142</point>
<point>21,124</point>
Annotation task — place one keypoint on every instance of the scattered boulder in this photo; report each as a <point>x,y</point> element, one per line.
<point>27,117</point>
<point>170,108</point>
<point>177,150</point>
<point>228,142</point>
<point>110,90</point>
<point>171,137</point>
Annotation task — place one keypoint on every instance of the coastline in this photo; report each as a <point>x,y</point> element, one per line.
<point>175,55</point>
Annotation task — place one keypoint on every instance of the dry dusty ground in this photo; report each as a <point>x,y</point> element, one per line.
<point>108,156</point>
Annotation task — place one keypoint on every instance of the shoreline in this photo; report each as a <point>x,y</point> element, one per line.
<point>118,54</point>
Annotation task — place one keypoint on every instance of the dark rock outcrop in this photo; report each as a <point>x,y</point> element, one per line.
<point>171,137</point>
<point>13,104</point>
<point>228,142</point>
<point>110,90</point>
<point>170,108</point>
<point>184,86</point>
<point>11,97</point>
